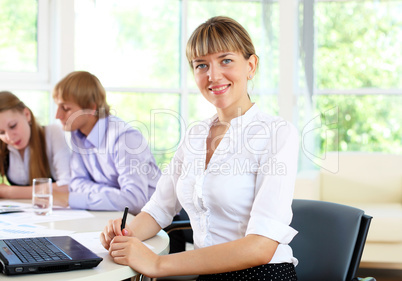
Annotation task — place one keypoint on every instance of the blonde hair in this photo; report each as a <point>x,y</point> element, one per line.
<point>38,162</point>
<point>84,89</point>
<point>219,34</point>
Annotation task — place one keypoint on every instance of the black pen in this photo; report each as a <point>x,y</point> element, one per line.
<point>123,222</point>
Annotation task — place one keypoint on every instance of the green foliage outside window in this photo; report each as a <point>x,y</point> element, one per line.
<point>156,116</point>
<point>363,123</point>
<point>358,45</point>
<point>18,35</point>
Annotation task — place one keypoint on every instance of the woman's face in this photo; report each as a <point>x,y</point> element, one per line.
<point>15,129</point>
<point>222,78</point>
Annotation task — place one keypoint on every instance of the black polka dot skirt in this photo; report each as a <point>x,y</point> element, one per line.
<point>266,272</point>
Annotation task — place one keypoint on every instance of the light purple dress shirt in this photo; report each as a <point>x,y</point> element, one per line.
<point>111,168</point>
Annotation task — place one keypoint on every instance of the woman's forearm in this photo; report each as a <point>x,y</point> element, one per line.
<point>253,250</point>
<point>15,192</point>
<point>144,226</point>
<point>60,195</point>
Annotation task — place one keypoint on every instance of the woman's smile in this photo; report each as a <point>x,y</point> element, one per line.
<point>220,89</point>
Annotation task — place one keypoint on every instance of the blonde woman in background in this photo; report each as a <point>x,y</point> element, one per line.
<point>29,150</point>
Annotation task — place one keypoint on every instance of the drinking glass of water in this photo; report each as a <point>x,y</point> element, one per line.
<point>42,197</point>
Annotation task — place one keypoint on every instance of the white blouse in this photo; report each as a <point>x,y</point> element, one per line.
<point>58,154</point>
<point>247,187</point>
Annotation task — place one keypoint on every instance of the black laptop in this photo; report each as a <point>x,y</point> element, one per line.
<point>44,254</point>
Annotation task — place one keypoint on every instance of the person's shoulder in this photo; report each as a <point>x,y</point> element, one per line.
<point>53,127</point>
<point>276,125</point>
<point>274,120</point>
<point>56,137</point>
<point>114,118</point>
<point>114,122</point>
<point>53,130</point>
<point>119,127</point>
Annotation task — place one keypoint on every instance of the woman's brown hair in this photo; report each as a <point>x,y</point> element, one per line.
<point>219,34</point>
<point>38,163</point>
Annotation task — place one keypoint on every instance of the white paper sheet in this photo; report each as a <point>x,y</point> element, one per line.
<point>91,241</point>
<point>13,230</point>
<point>10,206</point>
<point>28,216</point>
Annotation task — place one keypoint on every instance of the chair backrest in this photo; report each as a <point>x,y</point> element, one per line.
<point>330,241</point>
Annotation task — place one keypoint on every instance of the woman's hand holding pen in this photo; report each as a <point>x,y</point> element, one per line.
<point>131,251</point>
<point>125,249</point>
<point>111,230</point>
<point>115,228</point>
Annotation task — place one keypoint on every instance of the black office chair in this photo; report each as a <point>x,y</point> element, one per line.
<point>330,241</point>
<point>180,236</point>
<point>329,244</point>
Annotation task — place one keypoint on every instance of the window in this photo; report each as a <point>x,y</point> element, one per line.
<point>136,49</point>
<point>349,68</point>
<point>261,20</point>
<point>18,30</point>
<point>24,54</point>
<point>354,74</point>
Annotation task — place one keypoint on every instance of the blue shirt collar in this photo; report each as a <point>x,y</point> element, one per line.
<point>97,134</point>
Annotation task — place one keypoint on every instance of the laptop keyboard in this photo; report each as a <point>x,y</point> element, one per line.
<point>36,250</point>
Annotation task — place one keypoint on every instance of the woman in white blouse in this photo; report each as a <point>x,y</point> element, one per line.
<point>234,174</point>
<point>29,150</point>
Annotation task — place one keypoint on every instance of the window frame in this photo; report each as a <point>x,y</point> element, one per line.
<point>38,80</point>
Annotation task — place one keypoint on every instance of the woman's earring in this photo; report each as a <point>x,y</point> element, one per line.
<point>250,76</point>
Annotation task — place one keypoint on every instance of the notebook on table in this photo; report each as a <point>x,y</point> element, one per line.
<point>44,254</point>
<point>5,209</point>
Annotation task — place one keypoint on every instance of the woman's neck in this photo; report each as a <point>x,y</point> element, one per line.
<point>22,153</point>
<point>227,114</point>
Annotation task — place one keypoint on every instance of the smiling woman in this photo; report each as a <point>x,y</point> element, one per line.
<point>239,211</point>
<point>222,79</point>
<point>222,65</point>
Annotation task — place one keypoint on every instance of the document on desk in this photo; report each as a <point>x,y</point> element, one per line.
<point>91,241</point>
<point>22,230</point>
<point>28,216</point>
<point>12,207</point>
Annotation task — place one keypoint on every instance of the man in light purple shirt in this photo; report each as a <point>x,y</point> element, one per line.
<point>111,164</point>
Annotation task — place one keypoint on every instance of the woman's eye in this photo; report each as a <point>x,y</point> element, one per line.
<point>13,126</point>
<point>201,66</point>
<point>227,61</point>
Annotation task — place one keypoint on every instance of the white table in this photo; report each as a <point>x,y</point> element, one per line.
<point>107,269</point>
